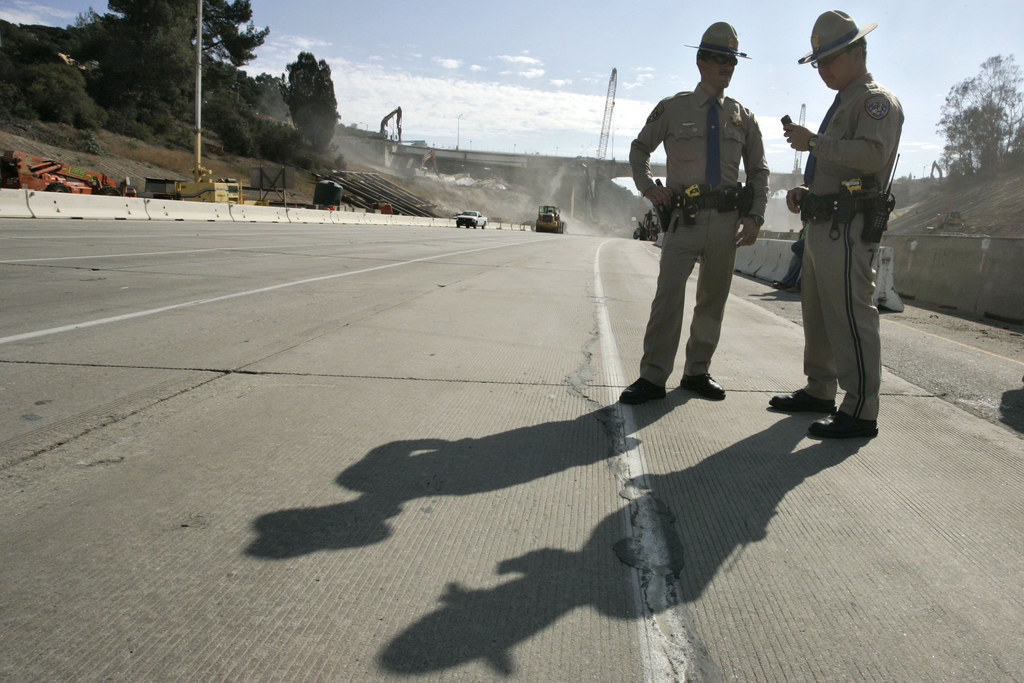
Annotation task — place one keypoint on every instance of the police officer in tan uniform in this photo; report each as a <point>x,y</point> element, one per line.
<point>706,135</point>
<point>844,200</point>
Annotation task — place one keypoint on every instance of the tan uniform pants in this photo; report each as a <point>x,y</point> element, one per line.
<point>712,241</point>
<point>841,344</point>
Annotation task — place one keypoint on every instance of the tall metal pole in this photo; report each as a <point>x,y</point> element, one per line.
<point>199,172</point>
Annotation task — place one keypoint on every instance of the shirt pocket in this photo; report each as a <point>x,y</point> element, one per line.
<point>686,143</point>
<point>732,142</point>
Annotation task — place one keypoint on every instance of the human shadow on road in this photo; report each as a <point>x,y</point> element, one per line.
<point>1011,409</point>
<point>719,505</point>
<point>396,473</point>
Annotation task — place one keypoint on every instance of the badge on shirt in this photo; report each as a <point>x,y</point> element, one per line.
<point>877,107</point>
<point>656,114</point>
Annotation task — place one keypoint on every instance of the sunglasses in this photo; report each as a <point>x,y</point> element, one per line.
<point>827,61</point>
<point>721,59</point>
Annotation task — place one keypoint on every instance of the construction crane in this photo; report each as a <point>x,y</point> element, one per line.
<point>797,166</point>
<point>609,104</point>
<point>385,133</point>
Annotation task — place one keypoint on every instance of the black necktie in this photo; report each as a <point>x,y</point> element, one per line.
<point>812,160</point>
<point>713,170</point>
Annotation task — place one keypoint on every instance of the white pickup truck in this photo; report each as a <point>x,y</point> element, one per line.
<point>471,219</point>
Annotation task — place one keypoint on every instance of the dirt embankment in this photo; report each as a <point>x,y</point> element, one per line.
<point>121,157</point>
<point>990,206</point>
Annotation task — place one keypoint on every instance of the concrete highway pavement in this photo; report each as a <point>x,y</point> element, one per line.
<point>281,452</point>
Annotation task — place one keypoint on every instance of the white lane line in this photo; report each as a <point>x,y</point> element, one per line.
<point>225,297</point>
<point>159,253</point>
<point>670,645</point>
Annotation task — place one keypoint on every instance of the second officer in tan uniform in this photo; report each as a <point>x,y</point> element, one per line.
<point>846,203</point>
<point>706,135</point>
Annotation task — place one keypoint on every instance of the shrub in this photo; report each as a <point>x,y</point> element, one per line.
<point>56,92</point>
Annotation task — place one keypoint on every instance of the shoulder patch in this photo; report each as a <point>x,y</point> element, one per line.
<point>877,107</point>
<point>656,114</point>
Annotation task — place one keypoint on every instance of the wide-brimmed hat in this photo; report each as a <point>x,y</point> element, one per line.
<point>721,37</point>
<point>833,31</point>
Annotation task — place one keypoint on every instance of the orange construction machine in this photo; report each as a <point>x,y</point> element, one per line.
<point>20,171</point>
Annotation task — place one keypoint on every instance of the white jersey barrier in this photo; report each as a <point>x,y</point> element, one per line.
<point>250,213</point>
<point>14,204</point>
<point>775,260</point>
<point>308,216</point>
<point>885,286</point>
<point>376,218</point>
<point>66,205</point>
<point>174,210</point>
<point>348,217</point>
<point>769,259</point>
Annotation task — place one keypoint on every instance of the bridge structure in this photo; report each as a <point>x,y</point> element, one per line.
<point>517,166</point>
<point>584,187</point>
<point>509,165</point>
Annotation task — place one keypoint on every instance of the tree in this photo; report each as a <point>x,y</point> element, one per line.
<point>146,49</point>
<point>309,94</point>
<point>147,64</point>
<point>982,120</point>
<point>222,39</point>
<point>269,98</point>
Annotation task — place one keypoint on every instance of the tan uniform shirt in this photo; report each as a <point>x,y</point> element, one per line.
<point>861,138</point>
<point>680,122</point>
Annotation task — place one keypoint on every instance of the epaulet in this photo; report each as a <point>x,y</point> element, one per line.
<point>732,102</point>
<point>660,108</point>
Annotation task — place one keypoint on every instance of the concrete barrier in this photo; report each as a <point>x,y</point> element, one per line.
<point>885,288</point>
<point>177,210</point>
<point>66,205</point>
<point>309,216</point>
<point>775,257</point>
<point>768,260</point>
<point>376,218</point>
<point>14,204</point>
<point>969,273</point>
<point>348,216</point>
<point>746,257</point>
<point>251,213</point>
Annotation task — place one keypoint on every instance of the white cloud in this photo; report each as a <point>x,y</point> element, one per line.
<point>640,80</point>
<point>301,44</point>
<point>477,68</point>
<point>33,13</point>
<point>521,59</point>
<point>560,82</point>
<point>525,66</point>
<point>448,63</point>
<point>494,116</point>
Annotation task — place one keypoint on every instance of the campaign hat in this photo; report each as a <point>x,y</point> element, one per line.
<point>833,31</point>
<point>721,37</point>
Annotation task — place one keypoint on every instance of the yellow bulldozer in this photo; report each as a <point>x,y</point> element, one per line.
<point>549,220</point>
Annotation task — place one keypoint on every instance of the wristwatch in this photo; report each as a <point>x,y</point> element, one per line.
<point>757,218</point>
<point>812,143</point>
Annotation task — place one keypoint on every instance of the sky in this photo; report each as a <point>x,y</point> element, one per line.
<point>533,77</point>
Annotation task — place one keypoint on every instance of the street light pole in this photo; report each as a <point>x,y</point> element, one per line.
<point>458,130</point>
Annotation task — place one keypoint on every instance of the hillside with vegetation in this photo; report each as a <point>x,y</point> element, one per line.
<point>131,72</point>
